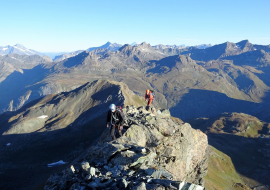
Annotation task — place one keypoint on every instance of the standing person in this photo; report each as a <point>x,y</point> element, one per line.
<point>115,120</point>
<point>148,96</point>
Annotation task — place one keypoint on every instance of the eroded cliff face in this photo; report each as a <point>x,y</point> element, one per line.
<point>155,151</point>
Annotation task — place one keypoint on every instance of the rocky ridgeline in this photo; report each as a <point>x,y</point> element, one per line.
<point>156,151</point>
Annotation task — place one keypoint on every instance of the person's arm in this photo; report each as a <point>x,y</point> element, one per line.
<point>121,119</point>
<point>145,96</point>
<point>151,96</point>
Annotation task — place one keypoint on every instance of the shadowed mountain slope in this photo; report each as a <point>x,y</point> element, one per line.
<point>15,62</point>
<point>71,122</point>
<point>221,50</point>
<point>257,58</point>
<point>239,152</point>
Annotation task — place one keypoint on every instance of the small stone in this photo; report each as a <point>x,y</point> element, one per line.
<point>123,184</point>
<point>121,167</point>
<point>149,171</point>
<point>131,173</point>
<point>141,186</point>
<point>71,170</point>
<point>154,111</point>
<point>93,185</point>
<point>85,166</point>
<point>93,171</point>
<point>106,168</point>
<point>158,112</point>
<point>108,173</point>
<point>75,186</point>
<point>88,177</point>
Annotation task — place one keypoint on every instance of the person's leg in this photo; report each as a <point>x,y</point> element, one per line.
<point>112,132</point>
<point>149,103</point>
<point>119,130</point>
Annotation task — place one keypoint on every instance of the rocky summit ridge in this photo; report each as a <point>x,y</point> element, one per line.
<point>156,151</point>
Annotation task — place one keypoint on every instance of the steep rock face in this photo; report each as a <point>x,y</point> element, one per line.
<point>245,46</point>
<point>155,149</point>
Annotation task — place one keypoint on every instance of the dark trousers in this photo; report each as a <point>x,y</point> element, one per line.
<point>113,131</point>
<point>149,102</point>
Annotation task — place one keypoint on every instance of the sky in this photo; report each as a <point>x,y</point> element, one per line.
<point>69,25</point>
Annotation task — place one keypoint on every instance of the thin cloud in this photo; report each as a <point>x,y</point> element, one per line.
<point>248,38</point>
<point>260,38</point>
<point>185,39</point>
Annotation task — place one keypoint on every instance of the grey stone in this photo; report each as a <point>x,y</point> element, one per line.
<point>149,171</point>
<point>85,166</point>
<point>123,184</point>
<point>71,170</point>
<point>108,173</point>
<point>93,171</point>
<point>88,177</point>
<point>103,185</point>
<point>121,167</point>
<point>75,186</point>
<point>161,173</point>
<point>93,185</point>
<point>141,186</point>
<point>154,110</point>
<point>106,168</point>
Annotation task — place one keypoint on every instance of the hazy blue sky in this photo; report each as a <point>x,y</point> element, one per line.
<point>64,25</point>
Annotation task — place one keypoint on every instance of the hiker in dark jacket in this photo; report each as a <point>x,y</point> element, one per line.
<point>115,120</point>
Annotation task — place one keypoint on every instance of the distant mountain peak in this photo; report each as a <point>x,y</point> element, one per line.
<point>245,45</point>
<point>20,46</point>
<point>109,46</point>
<point>18,49</point>
<point>134,44</point>
<point>145,45</point>
<point>125,47</point>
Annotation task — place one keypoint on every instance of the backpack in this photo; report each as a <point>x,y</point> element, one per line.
<point>119,108</point>
<point>153,93</point>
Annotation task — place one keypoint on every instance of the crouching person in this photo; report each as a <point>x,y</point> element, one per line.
<point>115,121</point>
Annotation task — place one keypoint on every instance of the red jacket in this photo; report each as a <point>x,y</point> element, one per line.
<point>149,96</point>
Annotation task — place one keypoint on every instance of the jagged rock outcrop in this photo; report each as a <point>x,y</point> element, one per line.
<point>156,151</point>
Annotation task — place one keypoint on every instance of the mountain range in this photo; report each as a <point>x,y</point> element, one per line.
<point>59,56</point>
<point>222,90</point>
<point>225,70</point>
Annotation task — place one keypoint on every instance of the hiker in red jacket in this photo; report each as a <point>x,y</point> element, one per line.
<point>115,120</point>
<point>149,97</point>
